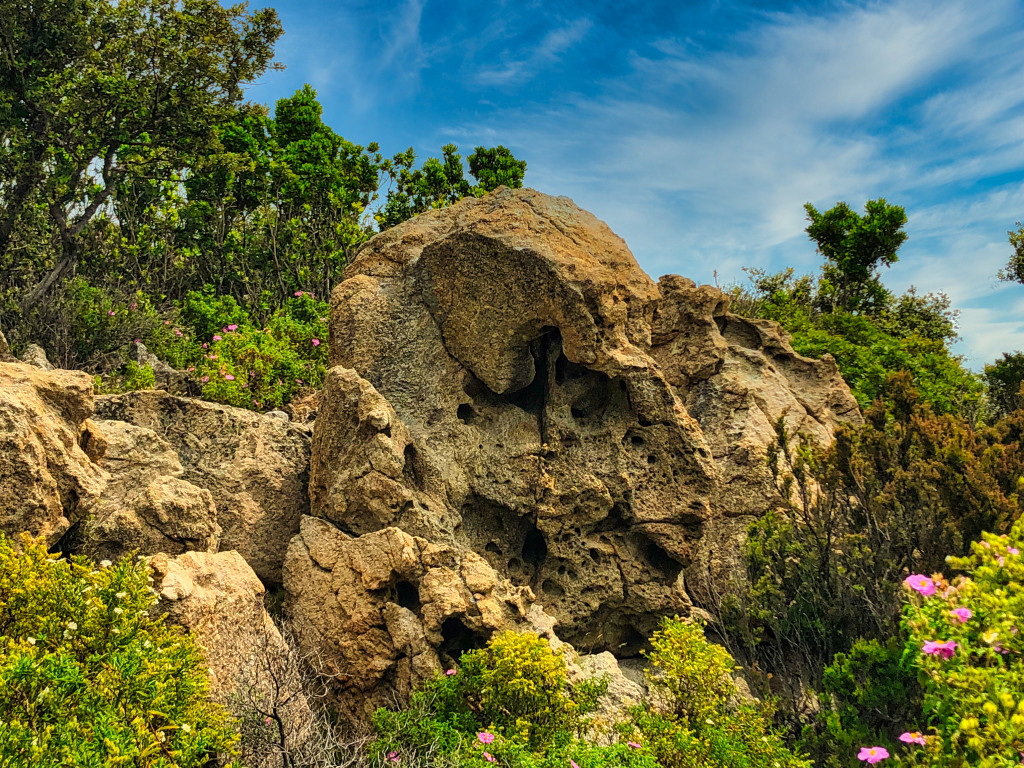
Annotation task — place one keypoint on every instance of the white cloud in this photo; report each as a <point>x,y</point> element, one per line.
<point>547,51</point>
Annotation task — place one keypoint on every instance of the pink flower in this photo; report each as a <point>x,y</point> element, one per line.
<point>205,379</point>
<point>633,744</point>
<point>138,341</point>
<point>986,545</point>
<point>205,345</point>
<point>937,648</point>
<point>266,720</point>
<point>912,737</point>
<point>572,763</point>
<point>316,342</point>
<point>191,369</point>
<point>134,305</point>
<point>485,737</point>
<point>490,758</point>
<point>451,672</point>
<point>873,754</point>
<point>178,333</point>
<point>921,583</point>
<point>963,614</point>
<point>393,757</point>
<point>297,294</point>
<point>1000,560</point>
<point>167,322</point>
<point>229,377</point>
<point>111,312</point>
<point>217,337</point>
<point>1013,550</point>
<point>232,327</point>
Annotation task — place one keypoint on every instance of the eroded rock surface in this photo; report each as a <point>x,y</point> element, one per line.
<point>509,384</point>
<point>49,476</point>
<point>255,468</point>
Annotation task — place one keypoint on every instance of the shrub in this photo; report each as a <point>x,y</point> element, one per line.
<point>964,636</point>
<point>509,704</point>
<point>88,678</point>
<point>694,720</point>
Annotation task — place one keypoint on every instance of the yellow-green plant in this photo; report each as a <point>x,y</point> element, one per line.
<point>89,678</point>
<point>966,636</point>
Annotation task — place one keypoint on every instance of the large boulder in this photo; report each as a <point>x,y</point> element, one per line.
<point>508,383</point>
<point>256,468</point>
<point>147,506</point>
<point>49,476</point>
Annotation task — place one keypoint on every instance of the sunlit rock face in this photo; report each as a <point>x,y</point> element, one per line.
<point>510,387</point>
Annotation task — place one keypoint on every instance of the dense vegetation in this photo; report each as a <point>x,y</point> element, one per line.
<point>142,199</point>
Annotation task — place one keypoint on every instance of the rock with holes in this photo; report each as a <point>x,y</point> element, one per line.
<point>49,450</point>
<point>256,468</point>
<point>147,506</point>
<point>509,383</point>
<point>386,609</point>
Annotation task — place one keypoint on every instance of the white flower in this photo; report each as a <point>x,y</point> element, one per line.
<point>185,727</point>
<point>104,563</point>
<point>118,611</point>
<point>31,640</point>
<point>121,595</point>
<point>72,625</point>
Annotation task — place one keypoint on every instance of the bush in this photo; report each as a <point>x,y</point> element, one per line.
<point>964,636</point>
<point>509,704</point>
<point>88,678</point>
<point>694,720</point>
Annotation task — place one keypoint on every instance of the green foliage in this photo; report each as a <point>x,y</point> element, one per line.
<point>693,720</point>
<point>863,693</point>
<point>1004,378</point>
<point>441,182</point>
<point>510,701</point>
<point>854,246</point>
<point>88,678</point>
<point>1014,269</point>
<point>973,712</point>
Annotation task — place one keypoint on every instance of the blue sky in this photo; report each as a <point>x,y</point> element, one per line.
<point>698,130</point>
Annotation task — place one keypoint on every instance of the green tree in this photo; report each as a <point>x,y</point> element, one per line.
<point>1014,269</point>
<point>97,93</point>
<point>854,247</point>
<point>1004,378</point>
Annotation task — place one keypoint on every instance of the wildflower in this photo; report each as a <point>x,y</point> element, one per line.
<point>121,595</point>
<point>266,720</point>
<point>633,744</point>
<point>937,648</point>
<point>912,737</point>
<point>205,379</point>
<point>217,337</point>
<point>134,306</point>
<point>72,625</point>
<point>451,672</point>
<point>393,756</point>
<point>119,610</point>
<point>963,614</point>
<point>485,737</point>
<point>232,327</point>
<point>572,763</point>
<point>205,345</point>
<point>490,758</point>
<point>921,583</point>
<point>104,563</point>
<point>229,377</point>
<point>873,754</point>
<point>1013,550</point>
<point>178,333</point>
<point>316,342</point>
<point>111,312</point>
<point>1001,560</point>
<point>138,341</point>
<point>185,728</point>
<point>31,640</point>
<point>297,294</point>
<point>986,545</point>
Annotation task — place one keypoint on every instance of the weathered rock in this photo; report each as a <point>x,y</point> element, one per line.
<point>509,383</point>
<point>5,351</point>
<point>218,599</point>
<point>36,356</point>
<point>387,609</point>
<point>47,480</point>
<point>256,468</point>
<point>146,506</point>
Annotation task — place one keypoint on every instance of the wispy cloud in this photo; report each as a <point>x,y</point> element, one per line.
<point>517,67</point>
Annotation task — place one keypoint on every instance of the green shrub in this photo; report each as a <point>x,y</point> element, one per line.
<point>694,719</point>
<point>88,678</point>
<point>509,704</point>
<point>965,638</point>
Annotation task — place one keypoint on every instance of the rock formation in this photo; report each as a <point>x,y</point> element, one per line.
<point>510,388</point>
<point>255,467</point>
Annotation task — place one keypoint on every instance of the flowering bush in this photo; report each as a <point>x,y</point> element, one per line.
<point>965,638</point>
<point>693,719</point>
<point>88,678</point>
<point>509,704</point>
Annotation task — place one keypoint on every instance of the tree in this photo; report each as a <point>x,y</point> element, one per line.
<point>97,93</point>
<point>1013,272</point>
<point>1004,378</point>
<point>854,246</point>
